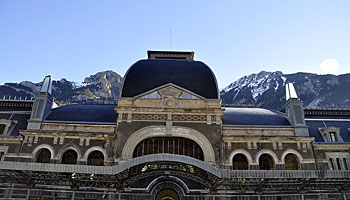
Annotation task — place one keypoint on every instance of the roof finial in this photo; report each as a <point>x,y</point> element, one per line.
<point>47,85</point>
<point>290,92</point>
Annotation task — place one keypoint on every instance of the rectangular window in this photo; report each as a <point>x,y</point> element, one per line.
<point>331,163</point>
<point>345,164</point>
<point>333,136</point>
<point>338,163</point>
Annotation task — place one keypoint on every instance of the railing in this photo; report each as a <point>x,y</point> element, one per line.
<point>221,173</point>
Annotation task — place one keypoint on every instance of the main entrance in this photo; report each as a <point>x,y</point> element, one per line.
<point>167,194</point>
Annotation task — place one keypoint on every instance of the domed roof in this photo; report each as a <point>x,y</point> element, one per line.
<point>146,75</point>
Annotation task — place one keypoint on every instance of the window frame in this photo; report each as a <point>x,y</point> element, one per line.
<point>333,157</point>
<point>7,124</point>
<point>327,133</point>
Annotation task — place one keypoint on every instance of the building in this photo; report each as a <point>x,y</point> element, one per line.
<point>168,137</point>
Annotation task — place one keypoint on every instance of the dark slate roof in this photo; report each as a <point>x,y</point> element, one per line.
<point>315,125</point>
<point>313,130</point>
<point>83,113</point>
<point>21,119</point>
<point>146,75</point>
<point>254,116</point>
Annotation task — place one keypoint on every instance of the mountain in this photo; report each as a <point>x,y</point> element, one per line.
<point>103,87</point>
<point>266,90</point>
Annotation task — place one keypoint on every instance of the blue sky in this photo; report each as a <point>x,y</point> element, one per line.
<point>73,39</point>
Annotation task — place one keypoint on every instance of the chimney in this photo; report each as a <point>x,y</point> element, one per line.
<point>295,111</point>
<point>43,103</point>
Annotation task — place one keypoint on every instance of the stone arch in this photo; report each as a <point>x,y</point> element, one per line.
<point>291,159</point>
<point>66,148</point>
<point>269,152</point>
<point>242,151</point>
<point>95,148</point>
<point>40,147</point>
<point>296,153</point>
<point>160,131</point>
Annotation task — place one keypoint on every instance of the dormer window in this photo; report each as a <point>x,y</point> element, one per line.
<point>4,126</point>
<point>333,136</point>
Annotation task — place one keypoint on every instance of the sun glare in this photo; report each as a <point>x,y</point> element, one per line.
<point>329,66</point>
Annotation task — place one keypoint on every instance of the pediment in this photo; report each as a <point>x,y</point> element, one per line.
<point>169,91</point>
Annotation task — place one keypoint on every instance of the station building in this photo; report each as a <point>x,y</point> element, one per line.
<point>168,137</point>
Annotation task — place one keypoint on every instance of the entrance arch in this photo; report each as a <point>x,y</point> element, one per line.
<point>167,194</point>
<point>168,188</point>
<point>160,131</point>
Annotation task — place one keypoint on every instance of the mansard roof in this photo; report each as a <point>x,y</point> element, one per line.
<point>146,75</point>
<point>20,121</point>
<point>315,125</point>
<point>254,117</point>
<point>320,118</point>
<point>83,113</point>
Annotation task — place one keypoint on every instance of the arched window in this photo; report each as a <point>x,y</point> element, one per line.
<point>266,162</point>
<point>291,162</point>
<point>171,145</point>
<point>70,157</point>
<point>44,156</point>
<point>96,158</point>
<point>240,162</point>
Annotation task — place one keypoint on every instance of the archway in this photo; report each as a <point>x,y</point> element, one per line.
<point>160,131</point>
<point>168,188</point>
<point>240,162</point>
<point>96,158</point>
<point>266,162</point>
<point>44,156</point>
<point>291,162</point>
<point>70,157</point>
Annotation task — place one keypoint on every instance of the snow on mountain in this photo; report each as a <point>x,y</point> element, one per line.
<point>266,89</point>
<point>257,84</point>
<point>99,88</point>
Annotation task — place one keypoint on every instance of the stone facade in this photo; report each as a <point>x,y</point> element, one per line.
<point>245,151</point>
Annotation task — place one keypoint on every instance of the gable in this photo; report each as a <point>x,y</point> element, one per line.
<point>169,90</point>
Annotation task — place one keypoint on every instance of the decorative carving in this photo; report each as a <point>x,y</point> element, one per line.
<point>170,92</point>
<point>149,117</point>
<point>189,118</point>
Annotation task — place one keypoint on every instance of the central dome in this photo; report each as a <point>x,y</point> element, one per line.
<point>154,72</point>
